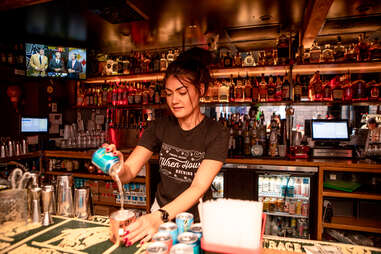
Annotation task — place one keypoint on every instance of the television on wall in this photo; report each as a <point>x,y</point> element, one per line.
<point>55,61</point>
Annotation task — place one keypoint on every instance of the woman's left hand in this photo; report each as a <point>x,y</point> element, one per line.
<point>142,229</point>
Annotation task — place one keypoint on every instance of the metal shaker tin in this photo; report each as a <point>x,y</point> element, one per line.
<point>104,160</point>
<point>119,220</point>
<point>170,227</point>
<point>184,221</point>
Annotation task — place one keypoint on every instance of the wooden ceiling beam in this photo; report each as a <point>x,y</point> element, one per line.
<point>313,20</point>
<point>13,4</point>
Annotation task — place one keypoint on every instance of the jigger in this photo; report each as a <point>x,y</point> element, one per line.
<point>47,196</point>
<point>36,205</point>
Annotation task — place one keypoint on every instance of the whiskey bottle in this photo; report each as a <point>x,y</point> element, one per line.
<point>304,89</point>
<point>283,50</point>
<point>339,51</point>
<point>271,89</point>
<point>327,91</point>
<point>315,53</point>
<point>337,90</point>
<point>375,50</point>
<point>347,87</point>
<point>350,54</point>
<point>278,88</point>
<point>170,57</point>
<point>255,91</point>
<point>328,54</point>
<point>362,49</point>
<point>239,91</point>
<point>297,89</point>
<point>263,96</point>
<point>286,89</point>
<point>374,94</point>
<point>223,92</point>
<point>163,63</point>
<point>237,60</point>
<point>246,143</point>
<point>248,89</point>
<point>232,89</point>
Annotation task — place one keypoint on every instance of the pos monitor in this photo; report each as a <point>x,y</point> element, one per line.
<point>34,125</point>
<point>330,130</point>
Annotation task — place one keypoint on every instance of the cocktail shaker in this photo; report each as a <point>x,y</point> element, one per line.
<point>65,196</point>
<point>36,205</point>
<point>47,196</point>
<point>82,203</point>
<point>53,203</point>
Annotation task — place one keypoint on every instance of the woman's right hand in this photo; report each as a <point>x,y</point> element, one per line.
<point>111,148</point>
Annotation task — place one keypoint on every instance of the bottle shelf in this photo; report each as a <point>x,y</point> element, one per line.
<point>337,68</point>
<point>277,196</point>
<point>131,106</point>
<point>356,194</point>
<point>70,154</point>
<point>138,179</point>
<point>21,157</point>
<point>118,205</point>
<point>151,76</point>
<point>351,223</point>
<point>286,215</point>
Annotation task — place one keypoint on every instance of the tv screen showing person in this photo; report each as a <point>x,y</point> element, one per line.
<point>58,57</point>
<point>37,63</point>
<point>57,63</point>
<point>76,65</point>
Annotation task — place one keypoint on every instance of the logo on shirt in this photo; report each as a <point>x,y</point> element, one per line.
<point>178,163</point>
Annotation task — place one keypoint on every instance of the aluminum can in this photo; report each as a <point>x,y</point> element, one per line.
<point>181,248</point>
<point>191,239</point>
<point>105,161</point>
<point>157,248</point>
<point>170,227</point>
<point>197,229</point>
<point>184,221</point>
<point>119,220</point>
<point>163,237</point>
<point>305,208</point>
<point>298,207</point>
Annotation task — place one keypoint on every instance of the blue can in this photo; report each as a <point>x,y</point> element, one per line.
<point>105,161</point>
<point>184,222</point>
<point>191,239</point>
<point>170,227</point>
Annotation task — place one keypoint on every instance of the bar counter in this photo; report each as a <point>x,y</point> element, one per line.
<point>70,235</point>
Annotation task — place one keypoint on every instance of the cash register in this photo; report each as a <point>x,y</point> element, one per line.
<point>329,136</point>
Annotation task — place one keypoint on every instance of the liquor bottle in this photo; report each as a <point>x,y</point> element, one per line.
<point>249,60</point>
<point>246,143</point>
<point>327,54</point>
<point>157,94</point>
<point>327,91</point>
<point>275,57</point>
<point>237,60</point>
<point>283,50</point>
<point>170,57</point>
<point>255,91</point>
<point>315,53</point>
<point>239,143</point>
<point>95,97</point>
<point>232,146</point>
<point>273,139</point>
<point>131,94</point>
<point>315,87</point>
<point>214,87</point>
<point>223,92</point>
<point>347,87</point>
<point>232,89</point>
<point>261,58</point>
<point>138,65</point>
<point>156,62</point>
<point>125,94</point>
<point>239,89</point>
<point>269,57</point>
<point>248,90</point>
<point>228,61</point>
<point>271,89</point>
<point>120,94</point>
<point>146,62</point>
<point>263,96</point>
<point>339,51</point>
<point>305,96</point>
<point>375,50</point>
<point>306,56</point>
<point>297,89</point>
<point>105,93</point>
<point>362,49</point>
<point>337,90</point>
<point>145,94</point>
<point>286,96</point>
<point>359,90</point>
<point>177,53</point>
<point>350,54</point>
<point>138,95</point>
<point>163,63</point>
<point>374,93</point>
<point>278,88</point>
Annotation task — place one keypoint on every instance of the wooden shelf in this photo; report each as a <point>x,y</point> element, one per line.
<point>356,194</point>
<point>132,106</point>
<point>138,179</point>
<point>76,154</point>
<point>249,71</point>
<point>351,223</point>
<point>337,68</point>
<point>374,168</point>
<point>21,157</point>
<point>125,77</point>
<point>118,205</point>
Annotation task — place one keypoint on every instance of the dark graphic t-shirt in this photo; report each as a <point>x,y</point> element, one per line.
<point>181,153</point>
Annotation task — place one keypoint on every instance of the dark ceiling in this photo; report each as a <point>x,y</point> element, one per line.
<point>117,26</point>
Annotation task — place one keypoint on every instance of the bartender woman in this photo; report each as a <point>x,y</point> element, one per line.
<point>191,148</point>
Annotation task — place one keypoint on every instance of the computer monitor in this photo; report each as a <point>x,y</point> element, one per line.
<point>330,130</point>
<point>34,125</point>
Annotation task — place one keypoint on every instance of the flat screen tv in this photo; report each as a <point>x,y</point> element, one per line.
<point>54,61</point>
<point>330,130</point>
<point>34,125</point>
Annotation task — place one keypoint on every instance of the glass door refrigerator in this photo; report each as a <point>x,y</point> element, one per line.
<point>289,197</point>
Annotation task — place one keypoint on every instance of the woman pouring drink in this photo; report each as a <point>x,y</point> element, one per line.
<point>191,148</point>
